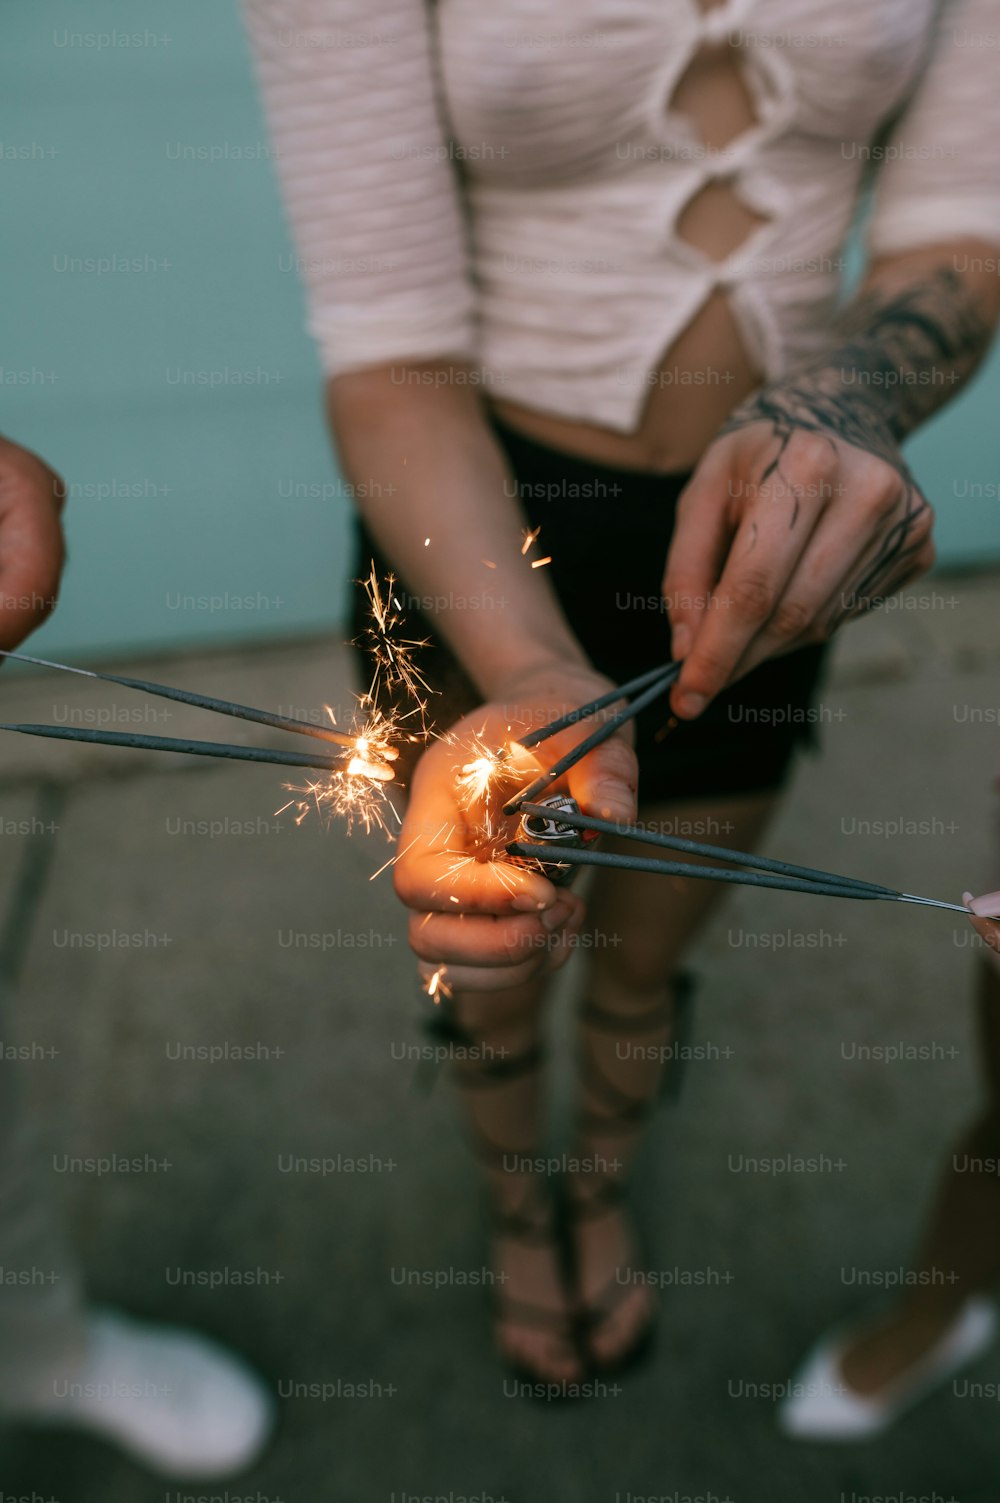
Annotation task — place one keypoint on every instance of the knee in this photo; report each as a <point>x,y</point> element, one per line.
<point>638,960</point>
<point>483,1014</point>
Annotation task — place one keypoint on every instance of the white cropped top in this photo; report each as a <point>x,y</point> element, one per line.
<point>502,181</point>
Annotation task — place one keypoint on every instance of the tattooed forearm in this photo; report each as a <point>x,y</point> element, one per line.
<point>902,354</point>
<point>913,350</point>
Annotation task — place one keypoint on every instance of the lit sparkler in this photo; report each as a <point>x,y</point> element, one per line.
<point>484,784</point>
<point>355,791</point>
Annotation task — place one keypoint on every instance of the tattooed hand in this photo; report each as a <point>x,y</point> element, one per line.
<point>803,512</point>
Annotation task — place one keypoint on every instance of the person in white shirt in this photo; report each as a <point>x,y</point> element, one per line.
<point>580,270</point>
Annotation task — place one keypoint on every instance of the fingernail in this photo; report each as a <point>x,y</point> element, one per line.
<point>616,816</point>
<point>680,640</point>
<point>692,704</point>
<point>556,916</point>
<point>525,903</point>
<point>988,906</point>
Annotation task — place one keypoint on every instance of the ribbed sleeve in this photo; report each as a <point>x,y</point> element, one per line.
<point>367,177</point>
<point>941,174</point>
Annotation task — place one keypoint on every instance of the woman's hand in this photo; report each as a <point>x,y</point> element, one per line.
<point>801,514</point>
<point>31,542</point>
<point>492,924</point>
<point>984,919</point>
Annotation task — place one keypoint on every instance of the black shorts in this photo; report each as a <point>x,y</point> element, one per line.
<point>608,531</point>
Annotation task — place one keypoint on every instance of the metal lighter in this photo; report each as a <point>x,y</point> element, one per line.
<point>546,829</point>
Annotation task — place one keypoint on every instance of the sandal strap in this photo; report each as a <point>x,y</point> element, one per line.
<point>609,1193</point>
<point>561,1322</point>
<point>489,1072</point>
<point>628,1110</point>
<point>597,1311</point>
<point>597,1016</point>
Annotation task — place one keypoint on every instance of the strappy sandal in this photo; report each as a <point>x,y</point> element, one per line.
<point>523,1226</point>
<point>594,1313</point>
<point>626,1115</point>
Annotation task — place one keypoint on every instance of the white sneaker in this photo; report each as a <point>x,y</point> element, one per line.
<point>822,1407</point>
<point>177,1401</point>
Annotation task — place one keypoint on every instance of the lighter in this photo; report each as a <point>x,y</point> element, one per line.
<point>546,829</point>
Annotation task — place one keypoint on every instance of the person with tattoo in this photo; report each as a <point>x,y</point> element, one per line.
<point>585,276</point>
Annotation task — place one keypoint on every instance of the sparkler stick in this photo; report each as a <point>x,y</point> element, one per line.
<point>534,738</point>
<point>189,748</point>
<point>699,848</point>
<point>720,874</point>
<point>200,701</point>
<point>655,689</point>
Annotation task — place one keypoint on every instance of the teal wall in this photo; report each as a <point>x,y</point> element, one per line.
<point>181,399</point>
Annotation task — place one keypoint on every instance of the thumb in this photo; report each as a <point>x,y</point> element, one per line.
<point>605,782</point>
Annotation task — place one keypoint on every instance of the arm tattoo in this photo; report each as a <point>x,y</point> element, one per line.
<point>901,355</point>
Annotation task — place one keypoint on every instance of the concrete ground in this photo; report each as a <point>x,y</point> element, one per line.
<point>232,908</point>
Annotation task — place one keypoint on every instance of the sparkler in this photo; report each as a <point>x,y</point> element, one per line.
<point>562,722</point>
<point>763,872</point>
<point>659,686</point>
<point>138,742</point>
<point>354,779</point>
<point>200,701</point>
<point>355,789</point>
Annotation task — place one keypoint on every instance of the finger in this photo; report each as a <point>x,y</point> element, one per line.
<point>548,959</point>
<point>814,597</point>
<point>605,781</point>
<point>988,931</point>
<point>987,906</point>
<point>770,541</point>
<point>697,550</point>
<point>31,543</point>
<point>488,941</point>
<point>901,550</point>
<point>907,540</point>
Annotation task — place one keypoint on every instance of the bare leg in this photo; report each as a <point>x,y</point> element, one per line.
<point>960,1254</point>
<point>501,1090</point>
<point>642,924</point>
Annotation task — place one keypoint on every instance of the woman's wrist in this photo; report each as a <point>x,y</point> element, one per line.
<point>557,669</point>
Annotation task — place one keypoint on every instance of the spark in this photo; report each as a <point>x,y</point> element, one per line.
<point>356,790</point>
<point>436,987</point>
<point>482,785</point>
<point>529,537</point>
<point>393,654</point>
<point>486,780</point>
<point>539,563</point>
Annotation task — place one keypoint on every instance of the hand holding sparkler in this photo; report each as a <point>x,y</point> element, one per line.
<point>479,920</point>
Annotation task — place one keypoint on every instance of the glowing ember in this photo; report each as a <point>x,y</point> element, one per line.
<point>435,986</point>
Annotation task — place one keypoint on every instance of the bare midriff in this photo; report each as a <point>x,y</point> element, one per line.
<point>706,372</point>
